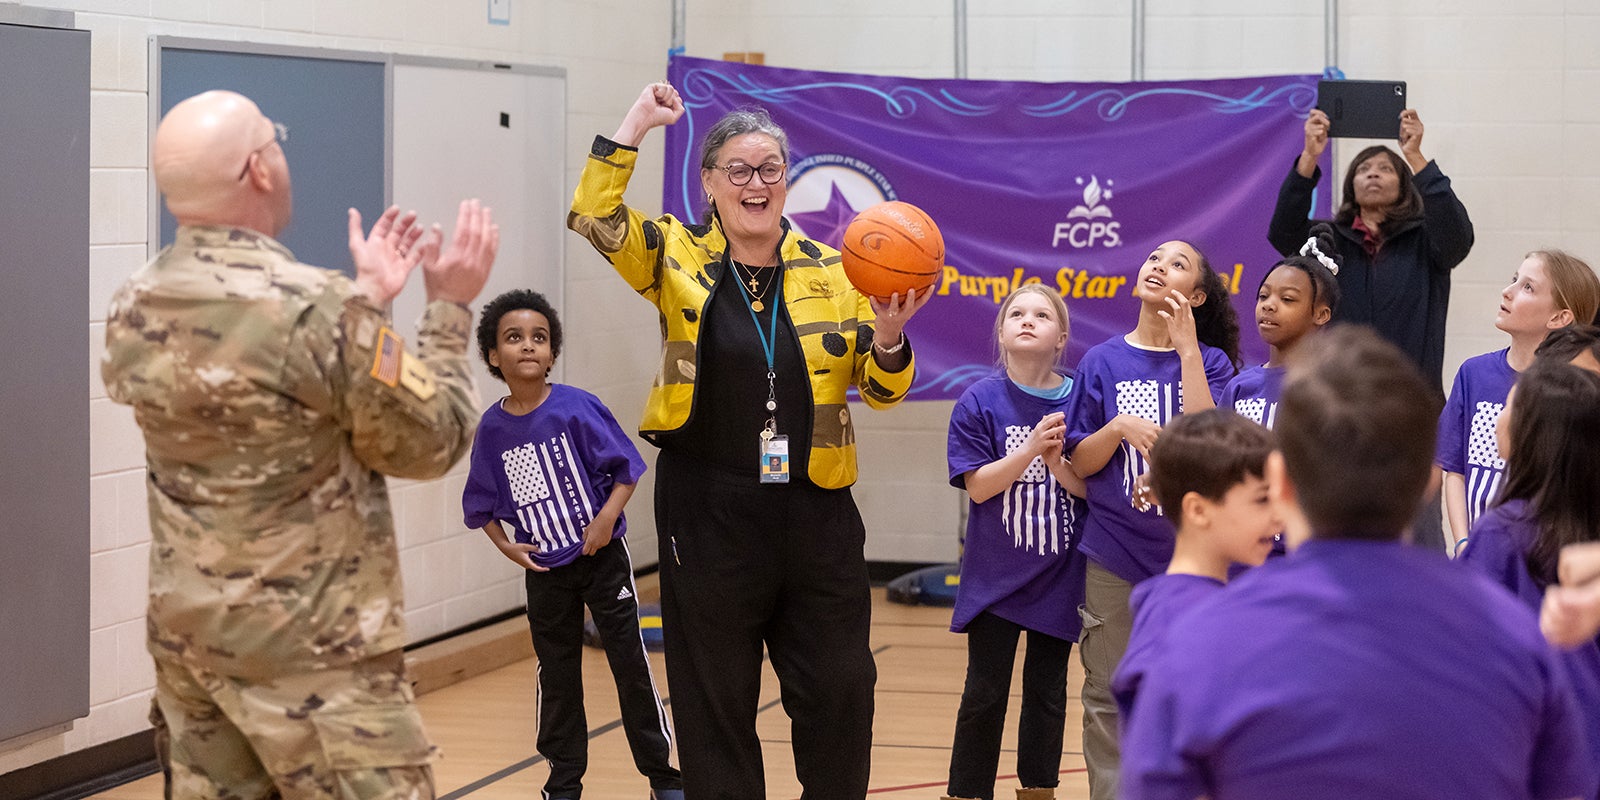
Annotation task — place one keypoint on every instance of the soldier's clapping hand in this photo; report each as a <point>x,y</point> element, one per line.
<point>385,257</point>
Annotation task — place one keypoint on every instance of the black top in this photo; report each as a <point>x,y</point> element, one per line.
<point>730,404</point>
<point>1403,292</point>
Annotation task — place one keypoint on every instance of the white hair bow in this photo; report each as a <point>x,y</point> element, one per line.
<point>1310,248</point>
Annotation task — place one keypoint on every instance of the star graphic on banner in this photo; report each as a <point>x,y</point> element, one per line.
<point>827,224</point>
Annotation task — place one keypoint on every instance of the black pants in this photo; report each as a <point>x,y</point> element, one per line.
<point>975,755</point>
<point>744,565</point>
<point>603,582</point>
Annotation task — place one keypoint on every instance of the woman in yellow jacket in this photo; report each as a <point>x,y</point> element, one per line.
<point>760,539</point>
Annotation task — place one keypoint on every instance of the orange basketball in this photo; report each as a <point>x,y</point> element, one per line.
<point>892,247</point>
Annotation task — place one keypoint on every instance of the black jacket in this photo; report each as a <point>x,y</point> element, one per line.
<point>1404,291</point>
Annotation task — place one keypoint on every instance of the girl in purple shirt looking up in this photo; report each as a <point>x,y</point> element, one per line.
<point>1550,290</point>
<point>1020,571</point>
<point>1177,358</point>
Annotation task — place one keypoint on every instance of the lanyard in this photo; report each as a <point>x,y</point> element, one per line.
<point>769,343</point>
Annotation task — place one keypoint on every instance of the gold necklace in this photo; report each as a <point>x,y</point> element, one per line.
<point>747,273</point>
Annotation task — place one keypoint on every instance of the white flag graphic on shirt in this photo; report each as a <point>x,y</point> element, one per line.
<point>552,498</point>
<point>1032,507</point>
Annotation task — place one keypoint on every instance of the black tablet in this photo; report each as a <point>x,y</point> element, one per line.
<point>1362,109</point>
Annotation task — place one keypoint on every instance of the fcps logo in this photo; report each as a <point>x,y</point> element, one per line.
<point>1089,224</point>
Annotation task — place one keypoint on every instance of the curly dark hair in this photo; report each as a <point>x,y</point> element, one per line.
<point>1215,321</point>
<point>514,300</point>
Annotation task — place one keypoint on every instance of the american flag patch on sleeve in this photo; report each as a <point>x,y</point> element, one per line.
<point>389,352</point>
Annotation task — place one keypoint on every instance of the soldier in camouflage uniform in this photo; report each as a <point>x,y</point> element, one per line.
<point>273,397</point>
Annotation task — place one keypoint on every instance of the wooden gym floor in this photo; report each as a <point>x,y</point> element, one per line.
<point>483,720</point>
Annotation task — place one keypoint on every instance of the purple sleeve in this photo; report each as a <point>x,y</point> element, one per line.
<point>1219,371</point>
<point>971,444</point>
<point>1449,453</point>
<point>481,495</point>
<point>1495,550</point>
<point>1086,405</point>
<point>607,446</point>
<point>1230,393</point>
<point>1156,741</point>
<point>1562,765</point>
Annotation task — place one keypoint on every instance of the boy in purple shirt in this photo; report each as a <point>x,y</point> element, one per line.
<point>1357,667</point>
<point>1207,472</point>
<point>550,463</point>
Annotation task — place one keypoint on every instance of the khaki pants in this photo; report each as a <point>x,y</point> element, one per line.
<point>1107,621</point>
<point>349,732</point>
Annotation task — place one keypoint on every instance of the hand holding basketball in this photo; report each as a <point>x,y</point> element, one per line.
<point>892,248</point>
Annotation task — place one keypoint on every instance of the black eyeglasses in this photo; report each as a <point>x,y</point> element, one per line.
<point>771,172</point>
<point>280,134</point>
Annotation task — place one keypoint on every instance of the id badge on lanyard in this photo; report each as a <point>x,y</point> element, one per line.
<point>774,447</point>
<point>774,456</point>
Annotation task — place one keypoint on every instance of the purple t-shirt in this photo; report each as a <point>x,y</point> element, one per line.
<point>1254,394</point>
<point>544,475</point>
<point>1466,427</point>
<point>1157,603</point>
<point>1498,548</point>
<point>1021,560</point>
<point>1357,669</point>
<point>1114,378</point>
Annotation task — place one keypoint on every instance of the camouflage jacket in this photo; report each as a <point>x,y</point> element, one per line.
<point>675,266</point>
<point>271,395</point>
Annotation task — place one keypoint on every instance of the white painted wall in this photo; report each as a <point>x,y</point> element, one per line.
<point>452,576</point>
<point>1508,92</point>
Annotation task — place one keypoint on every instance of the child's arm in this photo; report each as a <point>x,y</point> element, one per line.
<point>1455,506</point>
<point>1180,326</point>
<point>995,477</point>
<point>520,553</point>
<point>597,533</point>
<point>1095,451</point>
<point>1062,469</point>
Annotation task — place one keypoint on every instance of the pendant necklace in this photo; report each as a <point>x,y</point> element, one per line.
<point>748,274</point>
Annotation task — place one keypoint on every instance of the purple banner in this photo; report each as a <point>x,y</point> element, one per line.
<point>1066,184</point>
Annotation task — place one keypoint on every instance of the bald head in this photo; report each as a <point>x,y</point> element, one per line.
<point>201,147</point>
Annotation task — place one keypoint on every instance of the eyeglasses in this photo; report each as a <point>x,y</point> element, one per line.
<point>280,134</point>
<point>771,172</point>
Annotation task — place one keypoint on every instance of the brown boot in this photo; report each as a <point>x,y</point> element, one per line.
<point>948,797</point>
<point>1044,793</point>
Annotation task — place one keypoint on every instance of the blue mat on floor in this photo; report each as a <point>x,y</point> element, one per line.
<point>649,627</point>
<point>929,586</point>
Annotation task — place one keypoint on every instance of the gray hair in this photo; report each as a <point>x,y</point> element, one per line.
<point>738,122</point>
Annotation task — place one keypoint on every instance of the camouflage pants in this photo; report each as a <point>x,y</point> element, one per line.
<point>350,732</point>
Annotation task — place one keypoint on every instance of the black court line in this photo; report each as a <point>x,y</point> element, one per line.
<point>506,772</point>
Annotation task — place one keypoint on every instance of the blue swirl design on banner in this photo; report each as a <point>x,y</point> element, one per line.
<point>1111,103</point>
<point>700,88</point>
<point>948,384</point>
